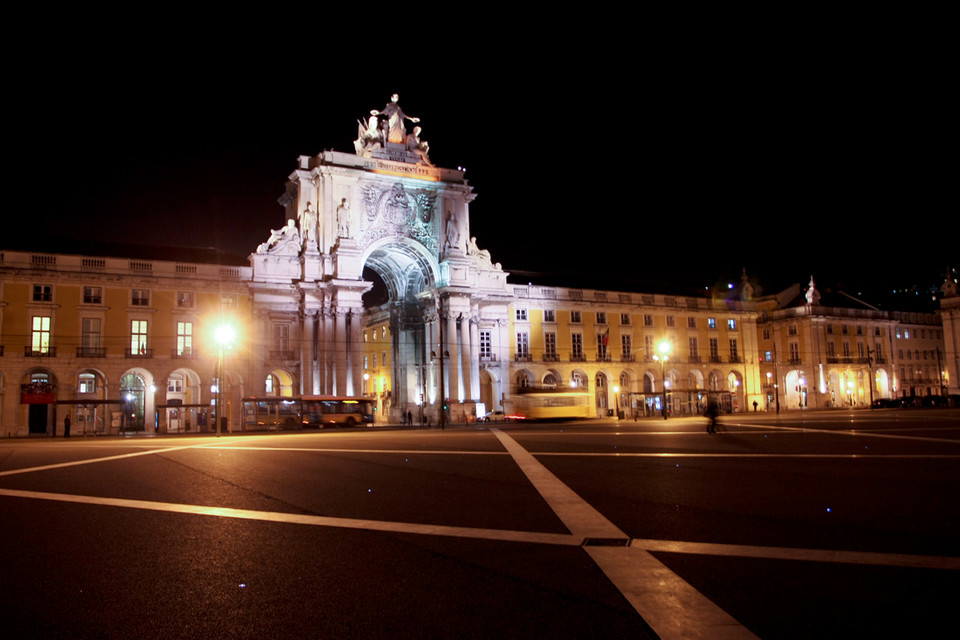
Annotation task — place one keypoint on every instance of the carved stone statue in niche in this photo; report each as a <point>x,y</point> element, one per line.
<point>452,234</point>
<point>343,219</point>
<point>308,226</point>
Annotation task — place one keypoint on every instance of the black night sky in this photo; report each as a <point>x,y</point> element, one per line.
<point>664,166</point>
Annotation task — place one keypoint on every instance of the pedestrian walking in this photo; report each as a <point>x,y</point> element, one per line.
<point>66,427</point>
<point>711,413</point>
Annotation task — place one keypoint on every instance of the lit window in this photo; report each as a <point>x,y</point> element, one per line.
<point>40,335</point>
<point>87,383</point>
<point>138,337</point>
<point>184,338</point>
<point>732,324</point>
<point>711,323</point>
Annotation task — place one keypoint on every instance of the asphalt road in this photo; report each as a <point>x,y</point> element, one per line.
<point>820,525</point>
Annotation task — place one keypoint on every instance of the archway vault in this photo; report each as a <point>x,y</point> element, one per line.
<point>404,265</point>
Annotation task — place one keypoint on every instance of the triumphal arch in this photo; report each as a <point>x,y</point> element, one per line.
<point>386,209</point>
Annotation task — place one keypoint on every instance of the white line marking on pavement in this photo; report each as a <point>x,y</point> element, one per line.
<point>805,555</point>
<point>74,463</point>
<point>305,519</point>
<point>671,606</point>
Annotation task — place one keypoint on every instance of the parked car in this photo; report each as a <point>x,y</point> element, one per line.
<point>933,401</point>
<point>887,403</point>
<point>493,416</point>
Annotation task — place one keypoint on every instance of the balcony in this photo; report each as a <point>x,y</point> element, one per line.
<point>91,352</point>
<point>48,352</point>
<point>142,352</point>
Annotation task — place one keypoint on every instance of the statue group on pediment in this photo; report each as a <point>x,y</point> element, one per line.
<point>388,125</point>
<point>283,241</point>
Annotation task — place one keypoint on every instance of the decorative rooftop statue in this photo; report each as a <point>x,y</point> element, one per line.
<point>387,127</point>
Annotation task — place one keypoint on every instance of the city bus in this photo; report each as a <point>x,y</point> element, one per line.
<point>274,412</point>
<point>552,404</point>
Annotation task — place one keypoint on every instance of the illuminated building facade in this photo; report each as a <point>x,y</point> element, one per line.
<point>129,342</point>
<point>117,343</point>
<point>831,350</point>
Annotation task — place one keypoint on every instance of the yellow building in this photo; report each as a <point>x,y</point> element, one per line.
<point>625,349</point>
<point>117,343</point>
<point>832,350</point>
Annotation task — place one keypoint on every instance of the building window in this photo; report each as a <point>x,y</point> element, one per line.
<point>521,315</point>
<point>486,344</point>
<point>647,320</point>
<point>575,317</point>
<point>602,340</point>
<point>523,345</point>
<point>625,318</point>
<point>691,323</point>
<point>711,323</point>
<point>626,346</point>
<point>185,299</point>
<point>138,337</point>
<point>86,383</point>
<point>90,335</point>
<point>794,352</point>
<point>228,301</point>
<point>601,317</point>
<point>549,315</point>
<point>694,349</point>
<point>734,351</point>
<point>281,337</point>
<point>43,293</point>
<point>550,346</point>
<point>40,335</point>
<point>576,346</point>
<point>731,324</point>
<point>714,350</point>
<point>184,338</point>
<point>671,321</point>
<point>175,384</point>
<point>140,298</point>
<point>92,295</point>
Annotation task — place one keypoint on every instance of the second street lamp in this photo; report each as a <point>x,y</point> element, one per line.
<point>662,358</point>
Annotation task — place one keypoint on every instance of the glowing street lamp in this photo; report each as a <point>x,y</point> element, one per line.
<point>223,335</point>
<point>662,357</point>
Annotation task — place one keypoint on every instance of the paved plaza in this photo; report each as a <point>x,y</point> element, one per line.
<point>813,525</point>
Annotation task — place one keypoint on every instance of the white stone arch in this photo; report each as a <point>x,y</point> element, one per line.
<point>523,378</point>
<point>695,379</point>
<point>795,393</point>
<point>405,266</point>
<point>551,378</point>
<point>137,386</point>
<point>579,379</point>
<point>491,388</point>
<point>279,382</point>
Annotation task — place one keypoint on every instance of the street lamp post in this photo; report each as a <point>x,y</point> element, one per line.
<point>662,358</point>
<point>224,337</point>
